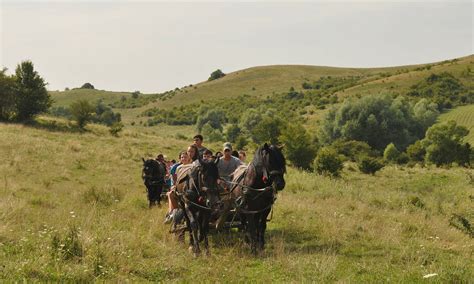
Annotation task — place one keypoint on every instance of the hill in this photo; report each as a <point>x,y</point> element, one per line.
<point>267,81</point>
<point>463,115</point>
<point>82,192</point>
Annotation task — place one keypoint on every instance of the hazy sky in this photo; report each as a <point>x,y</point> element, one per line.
<point>156,46</point>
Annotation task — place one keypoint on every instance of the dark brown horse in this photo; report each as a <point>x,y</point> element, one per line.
<point>254,192</point>
<point>153,175</point>
<point>197,196</point>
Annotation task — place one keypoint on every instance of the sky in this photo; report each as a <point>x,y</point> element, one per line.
<point>153,46</point>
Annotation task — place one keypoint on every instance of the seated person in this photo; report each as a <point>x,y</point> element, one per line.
<point>207,155</point>
<point>186,158</point>
<point>227,164</point>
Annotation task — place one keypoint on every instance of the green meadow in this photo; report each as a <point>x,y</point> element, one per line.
<point>73,208</point>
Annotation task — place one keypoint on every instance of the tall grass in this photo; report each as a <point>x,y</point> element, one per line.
<point>73,208</point>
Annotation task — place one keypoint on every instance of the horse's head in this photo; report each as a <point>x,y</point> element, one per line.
<point>274,165</point>
<point>205,178</point>
<point>150,167</point>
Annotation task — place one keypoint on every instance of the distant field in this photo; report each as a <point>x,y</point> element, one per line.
<point>399,225</point>
<point>65,98</point>
<point>463,115</point>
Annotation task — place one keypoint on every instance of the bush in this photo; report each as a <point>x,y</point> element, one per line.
<point>377,120</point>
<point>216,75</point>
<point>81,112</point>
<point>298,147</point>
<point>369,165</point>
<point>416,152</point>
<point>443,144</point>
<point>391,153</point>
<point>7,96</point>
<point>87,86</point>
<point>116,128</point>
<point>328,162</point>
<point>232,132</point>
<point>352,150</point>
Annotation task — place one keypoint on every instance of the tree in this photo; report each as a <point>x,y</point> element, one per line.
<point>216,75</point>
<point>232,133</point>
<point>377,120</point>
<point>391,153</point>
<point>443,144</point>
<point>267,130</point>
<point>32,98</point>
<point>135,94</point>
<point>416,152</point>
<point>298,146</point>
<point>328,162</point>
<point>7,96</point>
<point>212,134</point>
<point>370,165</point>
<point>87,86</point>
<point>214,117</point>
<point>82,111</point>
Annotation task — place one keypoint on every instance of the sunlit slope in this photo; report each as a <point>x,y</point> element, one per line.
<point>400,83</point>
<point>65,98</point>
<point>463,115</point>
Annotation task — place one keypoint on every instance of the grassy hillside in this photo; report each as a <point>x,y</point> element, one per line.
<point>463,115</point>
<point>398,225</point>
<point>266,80</point>
<point>65,98</point>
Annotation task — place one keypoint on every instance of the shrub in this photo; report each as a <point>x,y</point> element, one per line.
<point>369,165</point>
<point>116,128</point>
<point>377,120</point>
<point>391,153</point>
<point>298,147</point>
<point>7,96</point>
<point>443,144</point>
<point>87,86</point>
<point>416,152</point>
<point>82,112</point>
<point>216,75</point>
<point>352,150</point>
<point>328,162</point>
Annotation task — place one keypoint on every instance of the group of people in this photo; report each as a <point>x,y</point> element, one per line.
<point>229,161</point>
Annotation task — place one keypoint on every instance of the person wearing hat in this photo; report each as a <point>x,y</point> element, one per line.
<point>228,163</point>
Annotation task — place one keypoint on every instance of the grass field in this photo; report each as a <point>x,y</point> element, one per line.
<point>63,191</point>
<point>464,116</point>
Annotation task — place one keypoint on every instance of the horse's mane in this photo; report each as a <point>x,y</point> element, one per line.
<point>276,156</point>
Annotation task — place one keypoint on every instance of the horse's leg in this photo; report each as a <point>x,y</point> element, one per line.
<point>206,216</point>
<point>263,227</point>
<point>193,229</point>
<point>159,189</point>
<point>149,194</point>
<point>252,232</point>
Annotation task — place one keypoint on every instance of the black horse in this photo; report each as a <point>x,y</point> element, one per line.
<point>197,197</point>
<point>255,192</point>
<point>153,175</point>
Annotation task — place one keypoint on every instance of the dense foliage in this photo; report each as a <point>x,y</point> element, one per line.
<point>299,148</point>
<point>328,162</point>
<point>23,95</point>
<point>444,145</point>
<point>87,86</point>
<point>216,75</point>
<point>444,89</point>
<point>378,120</point>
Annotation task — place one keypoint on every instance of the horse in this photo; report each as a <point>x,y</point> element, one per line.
<point>197,194</point>
<point>253,193</point>
<point>153,175</point>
